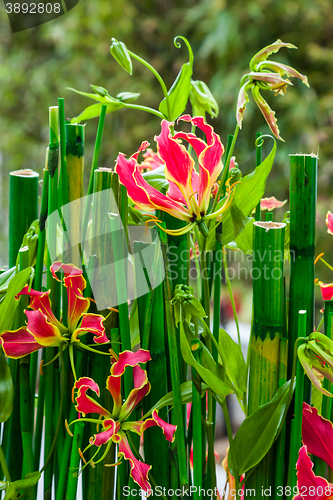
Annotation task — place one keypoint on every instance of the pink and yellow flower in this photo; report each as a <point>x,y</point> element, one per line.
<point>317,436</point>
<point>43,328</point>
<point>115,423</point>
<point>329,222</point>
<point>189,193</point>
<point>271,203</point>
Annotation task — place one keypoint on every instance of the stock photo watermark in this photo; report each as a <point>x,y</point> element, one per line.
<point>24,15</point>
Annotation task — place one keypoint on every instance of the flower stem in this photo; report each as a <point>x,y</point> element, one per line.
<point>231,295</point>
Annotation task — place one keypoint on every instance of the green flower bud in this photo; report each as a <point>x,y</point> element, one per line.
<point>202,100</point>
<point>120,53</point>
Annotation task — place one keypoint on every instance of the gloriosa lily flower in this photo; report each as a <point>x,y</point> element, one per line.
<point>316,357</point>
<point>325,288</point>
<point>151,161</point>
<point>266,75</point>
<point>115,423</point>
<point>43,329</point>
<point>189,192</point>
<point>329,222</point>
<point>317,436</point>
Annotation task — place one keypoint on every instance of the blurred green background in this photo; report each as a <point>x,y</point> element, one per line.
<point>37,65</point>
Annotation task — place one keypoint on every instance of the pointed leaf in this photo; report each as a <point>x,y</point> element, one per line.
<point>236,367</point>
<point>9,304</point>
<point>156,179</point>
<point>95,110</point>
<point>6,390</point>
<point>258,432</point>
<point>5,279</point>
<point>178,94</point>
<point>244,240</point>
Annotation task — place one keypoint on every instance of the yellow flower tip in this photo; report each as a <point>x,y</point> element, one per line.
<point>41,368</point>
<point>68,429</point>
<point>113,309</point>
<point>113,354</point>
<point>318,258</point>
<point>82,457</point>
<point>113,465</point>
<point>92,463</point>
<point>316,281</point>
<point>73,394</point>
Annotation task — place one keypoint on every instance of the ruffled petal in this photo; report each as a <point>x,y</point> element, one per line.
<point>18,343</point>
<point>129,358</point>
<point>139,470</point>
<point>140,427</point>
<point>41,300</point>
<point>92,323</point>
<point>326,290</point>
<point>317,434</point>
<point>142,193</point>
<point>141,389</point>
<point>111,427</point>
<point>267,112</point>
<point>85,404</point>
<point>271,203</point>
<point>306,479</point>
<point>113,385</point>
<point>178,162</point>
<point>45,333</point>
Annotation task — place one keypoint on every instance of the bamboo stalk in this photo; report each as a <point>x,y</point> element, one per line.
<point>303,195</point>
<point>197,425</point>
<point>268,328</point>
<point>258,161</point>
<point>74,462</point>
<point>280,444</point>
<point>75,166</point>
<point>23,207</point>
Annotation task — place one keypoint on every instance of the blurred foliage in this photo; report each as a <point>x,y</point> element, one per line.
<point>73,51</point>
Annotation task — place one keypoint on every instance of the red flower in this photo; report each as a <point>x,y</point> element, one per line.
<point>115,423</point>
<point>43,329</point>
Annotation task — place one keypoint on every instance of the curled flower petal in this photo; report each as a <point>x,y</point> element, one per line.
<point>139,470</point>
<point>283,69</point>
<point>113,385</point>
<point>41,300</point>
<point>129,358</point>
<point>140,427</point>
<point>309,370</point>
<point>18,343</point>
<point>111,427</point>
<point>309,485</point>
<point>271,203</point>
<point>272,78</point>
<point>267,112</point>
<point>45,333</point>
<point>92,323</point>
<point>85,404</point>
<point>317,434</point>
<point>142,193</point>
<point>141,389</point>
<point>243,99</point>
<point>267,51</point>
<point>329,222</point>
<point>326,290</point>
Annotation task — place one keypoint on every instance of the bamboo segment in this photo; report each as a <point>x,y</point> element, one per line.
<point>258,161</point>
<point>268,328</point>
<point>23,207</point>
<point>197,427</point>
<point>75,166</point>
<point>303,195</point>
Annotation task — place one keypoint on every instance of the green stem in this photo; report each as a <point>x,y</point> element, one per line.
<point>158,76</point>
<point>197,424</point>
<point>231,295</point>
<point>144,108</point>
<point>74,461</point>
<point>4,466</point>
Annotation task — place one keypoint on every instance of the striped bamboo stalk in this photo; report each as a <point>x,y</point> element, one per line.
<point>23,207</point>
<point>258,161</point>
<point>268,328</point>
<point>197,426</point>
<point>280,444</point>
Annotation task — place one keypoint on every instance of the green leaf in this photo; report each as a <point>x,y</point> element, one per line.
<point>247,196</point>
<point>6,390</point>
<point>186,397</point>
<point>258,432</point>
<point>178,94</point>
<point>9,304</point>
<point>134,325</point>
<point>10,492</point>
<point>5,279</point>
<point>156,179</point>
<point>95,110</point>
<point>244,240</point>
<point>206,373</point>
<point>236,367</point>
<point>22,484</point>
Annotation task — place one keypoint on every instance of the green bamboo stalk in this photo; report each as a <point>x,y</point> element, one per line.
<point>63,185</point>
<point>179,449</point>
<point>197,425</point>
<point>296,425</point>
<point>23,207</point>
<point>75,166</point>
<point>39,422</point>
<point>268,328</point>
<point>74,462</point>
<point>280,444</point>
<point>258,161</point>
<point>303,195</point>
<point>94,166</point>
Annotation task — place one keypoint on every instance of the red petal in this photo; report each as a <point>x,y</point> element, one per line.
<point>139,470</point>
<point>141,389</point>
<point>85,404</point>
<point>92,323</point>
<point>329,222</point>
<point>45,333</point>
<point>129,358</point>
<point>175,193</point>
<point>168,429</point>
<point>105,436</point>
<point>113,384</point>
<point>317,434</point>
<point>18,343</point>
<point>144,195</point>
<point>41,300</point>
<point>326,290</point>
<point>308,484</point>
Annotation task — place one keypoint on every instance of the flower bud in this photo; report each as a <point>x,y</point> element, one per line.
<point>120,53</point>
